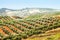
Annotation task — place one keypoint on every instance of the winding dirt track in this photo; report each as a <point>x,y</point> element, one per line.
<point>45,35</point>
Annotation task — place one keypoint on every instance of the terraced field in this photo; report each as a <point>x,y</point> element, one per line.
<point>11,29</point>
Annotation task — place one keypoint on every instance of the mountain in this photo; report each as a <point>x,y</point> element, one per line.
<point>4,9</point>
<point>25,12</point>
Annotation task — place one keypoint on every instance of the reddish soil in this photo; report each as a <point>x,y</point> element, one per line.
<point>2,32</point>
<point>8,29</point>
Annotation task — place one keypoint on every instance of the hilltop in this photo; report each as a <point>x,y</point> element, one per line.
<point>25,12</point>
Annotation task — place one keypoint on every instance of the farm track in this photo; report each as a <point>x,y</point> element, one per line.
<point>44,35</point>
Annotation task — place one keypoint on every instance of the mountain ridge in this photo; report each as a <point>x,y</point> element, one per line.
<point>25,12</point>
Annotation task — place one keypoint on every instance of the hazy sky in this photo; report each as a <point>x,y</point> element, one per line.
<point>19,4</point>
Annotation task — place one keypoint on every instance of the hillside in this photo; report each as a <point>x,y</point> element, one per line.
<point>29,24</point>
<point>11,29</point>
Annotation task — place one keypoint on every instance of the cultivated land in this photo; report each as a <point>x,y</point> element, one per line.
<point>35,27</point>
<point>21,29</point>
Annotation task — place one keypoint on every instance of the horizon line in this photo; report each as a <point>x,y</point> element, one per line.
<point>29,7</point>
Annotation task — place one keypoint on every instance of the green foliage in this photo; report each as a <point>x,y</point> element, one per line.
<point>29,27</point>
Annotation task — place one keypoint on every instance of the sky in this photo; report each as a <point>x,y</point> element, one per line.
<point>20,4</point>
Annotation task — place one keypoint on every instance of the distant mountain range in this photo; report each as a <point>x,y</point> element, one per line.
<point>25,12</point>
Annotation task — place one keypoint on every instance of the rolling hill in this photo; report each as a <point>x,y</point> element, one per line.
<point>41,23</point>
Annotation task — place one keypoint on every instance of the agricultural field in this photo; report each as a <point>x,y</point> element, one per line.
<point>29,19</point>
<point>33,29</point>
